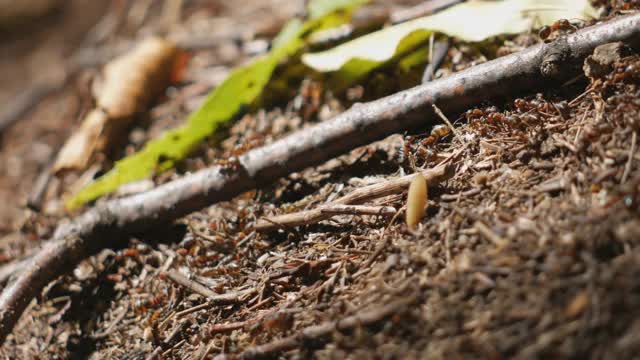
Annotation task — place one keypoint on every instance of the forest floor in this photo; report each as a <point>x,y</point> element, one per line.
<point>528,249</point>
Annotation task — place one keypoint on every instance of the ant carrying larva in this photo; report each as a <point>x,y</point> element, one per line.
<point>414,148</point>
<point>439,131</point>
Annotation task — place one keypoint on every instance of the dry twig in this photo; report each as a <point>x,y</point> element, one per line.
<point>213,297</point>
<point>357,196</point>
<point>339,209</point>
<point>228,327</point>
<point>632,151</point>
<point>436,57</point>
<point>319,332</point>
<point>40,186</point>
<point>383,242</point>
<point>115,220</point>
<point>444,118</point>
<point>489,234</point>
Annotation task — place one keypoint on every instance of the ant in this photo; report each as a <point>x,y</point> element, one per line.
<point>560,27</point>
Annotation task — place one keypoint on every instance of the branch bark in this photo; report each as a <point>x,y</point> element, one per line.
<point>115,220</point>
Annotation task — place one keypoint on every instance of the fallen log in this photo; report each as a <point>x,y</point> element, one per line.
<point>101,226</point>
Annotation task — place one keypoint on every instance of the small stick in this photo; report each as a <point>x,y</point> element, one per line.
<point>219,299</point>
<point>489,234</point>
<point>357,196</point>
<point>207,350</point>
<point>34,202</point>
<point>219,328</point>
<point>177,331</point>
<point>155,354</point>
<point>112,327</point>
<point>632,151</point>
<point>352,251</point>
<point>340,209</point>
<point>437,56</point>
<point>222,328</point>
<point>566,144</point>
<point>383,243</point>
<point>193,309</point>
<point>168,351</point>
<point>579,97</point>
<point>454,197</point>
<point>555,184</point>
<point>324,330</point>
<point>202,235</point>
<point>260,304</point>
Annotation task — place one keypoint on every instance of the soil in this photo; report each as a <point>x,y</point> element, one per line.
<point>528,250</point>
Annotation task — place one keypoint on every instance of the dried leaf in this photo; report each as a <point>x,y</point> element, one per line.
<point>128,84</point>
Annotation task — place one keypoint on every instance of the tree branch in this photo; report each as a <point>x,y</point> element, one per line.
<point>115,220</point>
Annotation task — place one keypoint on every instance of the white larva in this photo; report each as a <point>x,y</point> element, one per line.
<point>416,200</point>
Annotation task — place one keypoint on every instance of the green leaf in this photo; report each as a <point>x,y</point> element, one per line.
<point>472,21</point>
<point>242,88</point>
<point>416,58</point>
<point>289,31</point>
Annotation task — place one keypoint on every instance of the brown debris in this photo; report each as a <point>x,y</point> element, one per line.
<point>339,209</point>
<point>127,86</point>
<point>362,124</point>
<point>317,332</point>
<point>604,56</point>
<point>15,14</point>
<point>211,296</point>
<point>498,268</point>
